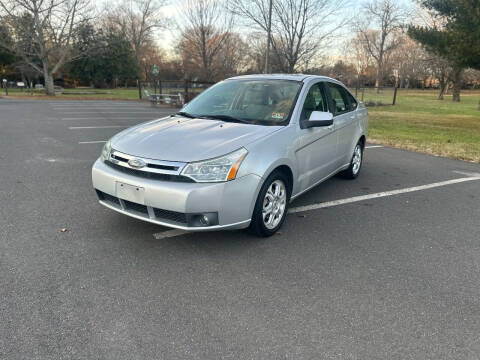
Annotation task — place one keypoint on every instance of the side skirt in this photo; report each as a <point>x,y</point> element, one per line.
<point>343,167</point>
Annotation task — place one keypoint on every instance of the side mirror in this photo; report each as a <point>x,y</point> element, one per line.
<point>318,119</point>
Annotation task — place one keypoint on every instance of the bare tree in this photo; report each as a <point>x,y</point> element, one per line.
<point>45,29</point>
<point>256,13</point>
<point>378,30</point>
<point>204,32</point>
<point>410,59</point>
<point>139,19</point>
<point>298,32</point>
<point>443,71</point>
<point>233,58</point>
<point>358,55</point>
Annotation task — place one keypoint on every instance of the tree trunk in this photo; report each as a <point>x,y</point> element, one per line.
<point>49,89</point>
<point>442,91</point>
<point>457,84</point>
<point>378,77</point>
<point>377,83</point>
<point>443,85</point>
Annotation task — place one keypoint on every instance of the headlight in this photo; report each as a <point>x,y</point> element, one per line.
<point>223,168</point>
<point>107,149</point>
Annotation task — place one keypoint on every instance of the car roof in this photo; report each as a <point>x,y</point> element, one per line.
<point>296,77</point>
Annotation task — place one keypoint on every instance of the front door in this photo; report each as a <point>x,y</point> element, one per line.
<point>316,147</point>
<point>344,120</point>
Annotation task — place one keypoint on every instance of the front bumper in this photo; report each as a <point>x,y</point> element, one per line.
<point>175,204</point>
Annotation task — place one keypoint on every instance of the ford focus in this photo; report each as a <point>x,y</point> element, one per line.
<point>236,155</point>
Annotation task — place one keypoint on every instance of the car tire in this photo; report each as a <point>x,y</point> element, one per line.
<point>355,163</point>
<point>271,206</point>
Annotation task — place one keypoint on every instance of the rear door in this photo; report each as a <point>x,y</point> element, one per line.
<point>344,120</point>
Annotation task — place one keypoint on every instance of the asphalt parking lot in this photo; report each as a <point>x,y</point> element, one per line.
<point>383,267</point>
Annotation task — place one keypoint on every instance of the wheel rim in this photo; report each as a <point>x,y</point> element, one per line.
<point>274,204</point>
<point>357,159</point>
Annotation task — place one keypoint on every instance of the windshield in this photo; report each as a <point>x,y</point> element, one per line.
<point>262,102</point>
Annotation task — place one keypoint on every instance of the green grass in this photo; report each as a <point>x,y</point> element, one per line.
<point>79,93</point>
<point>422,123</point>
<point>95,94</point>
<point>382,97</point>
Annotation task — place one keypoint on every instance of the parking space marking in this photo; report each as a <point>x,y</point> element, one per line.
<point>380,194</point>
<point>169,234</point>
<point>373,146</point>
<point>92,142</point>
<point>105,118</point>
<point>63,107</point>
<point>97,127</point>
<point>470,177</point>
<point>112,112</point>
<point>467,173</point>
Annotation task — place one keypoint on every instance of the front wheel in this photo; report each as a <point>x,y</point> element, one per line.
<point>355,164</point>
<point>271,205</point>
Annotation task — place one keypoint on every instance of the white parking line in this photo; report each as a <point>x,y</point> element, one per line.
<point>92,142</point>
<point>380,194</point>
<point>100,106</point>
<point>468,173</point>
<point>115,118</point>
<point>169,234</point>
<point>116,109</point>
<point>471,177</point>
<point>112,112</point>
<point>97,127</point>
<point>373,146</point>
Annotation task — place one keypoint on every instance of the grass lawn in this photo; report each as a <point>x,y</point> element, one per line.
<point>422,123</point>
<point>93,94</point>
<point>80,94</point>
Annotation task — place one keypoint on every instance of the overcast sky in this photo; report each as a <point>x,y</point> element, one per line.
<point>167,38</point>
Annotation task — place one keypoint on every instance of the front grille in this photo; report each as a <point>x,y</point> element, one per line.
<point>135,207</point>
<point>163,167</point>
<point>119,158</point>
<point>108,198</point>
<point>160,214</point>
<point>149,175</point>
<point>170,215</point>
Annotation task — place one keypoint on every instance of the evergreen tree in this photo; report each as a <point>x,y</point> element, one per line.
<point>104,57</point>
<point>458,41</point>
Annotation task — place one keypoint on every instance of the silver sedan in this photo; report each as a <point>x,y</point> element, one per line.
<point>236,155</point>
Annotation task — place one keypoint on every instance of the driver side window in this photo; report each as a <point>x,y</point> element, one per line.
<point>339,98</point>
<point>316,100</point>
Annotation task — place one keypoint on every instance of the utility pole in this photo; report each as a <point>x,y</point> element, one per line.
<point>269,37</point>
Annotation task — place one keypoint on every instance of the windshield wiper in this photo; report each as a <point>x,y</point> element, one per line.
<point>227,118</point>
<point>186,114</point>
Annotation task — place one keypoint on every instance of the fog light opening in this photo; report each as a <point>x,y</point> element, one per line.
<point>204,220</point>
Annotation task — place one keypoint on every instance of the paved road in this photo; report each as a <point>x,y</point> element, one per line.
<point>395,277</point>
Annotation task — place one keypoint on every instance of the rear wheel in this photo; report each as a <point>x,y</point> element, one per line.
<point>271,205</point>
<point>355,164</point>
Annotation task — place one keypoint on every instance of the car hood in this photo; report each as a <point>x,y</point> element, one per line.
<point>186,140</point>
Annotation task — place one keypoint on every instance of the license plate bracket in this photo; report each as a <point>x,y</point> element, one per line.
<point>131,193</point>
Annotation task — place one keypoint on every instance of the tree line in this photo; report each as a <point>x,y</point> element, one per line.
<point>381,43</point>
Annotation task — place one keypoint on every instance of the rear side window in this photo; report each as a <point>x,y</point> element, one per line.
<point>339,98</point>
<point>353,102</point>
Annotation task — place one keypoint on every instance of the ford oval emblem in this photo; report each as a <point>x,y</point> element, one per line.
<point>137,163</point>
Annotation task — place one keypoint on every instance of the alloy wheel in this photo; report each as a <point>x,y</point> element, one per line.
<point>274,204</point>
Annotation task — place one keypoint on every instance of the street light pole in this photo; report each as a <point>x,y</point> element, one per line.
<point>269,37</point>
